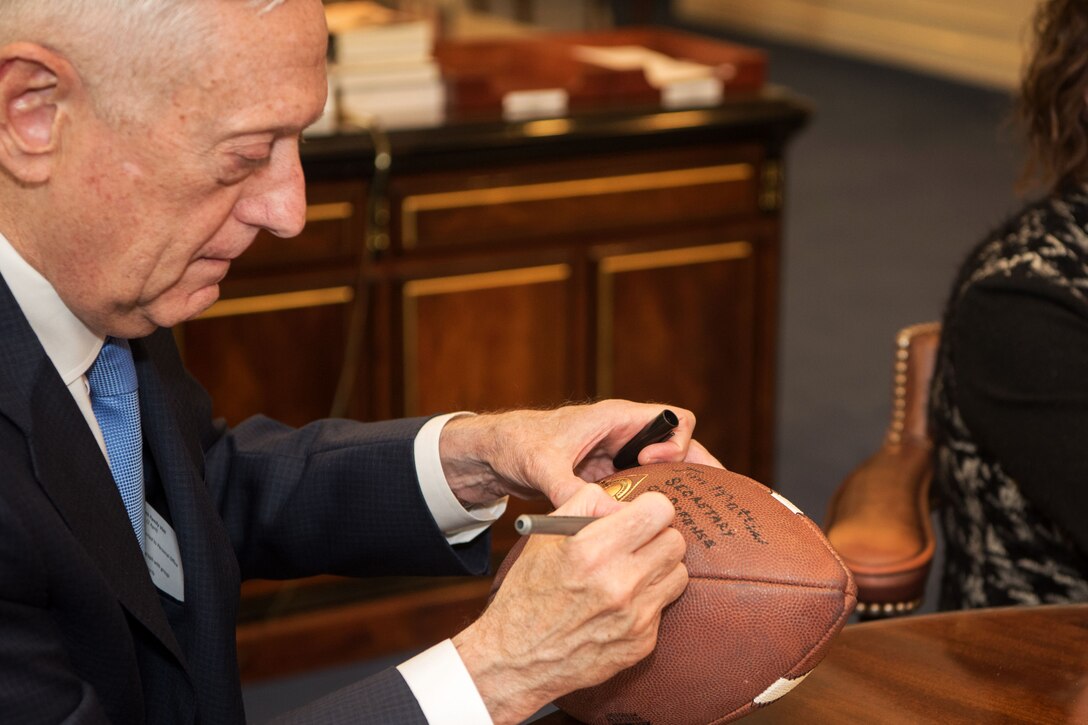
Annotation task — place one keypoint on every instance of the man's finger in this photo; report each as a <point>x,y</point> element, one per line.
<point>588,500</point>
<point>658,557</point>
<point>633,526</point>
<point>698,454</point>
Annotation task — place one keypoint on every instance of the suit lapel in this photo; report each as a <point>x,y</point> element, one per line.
<point>173,435</point>
<point>180,461</point>
<point>78,481</point>
<point>71,469</point>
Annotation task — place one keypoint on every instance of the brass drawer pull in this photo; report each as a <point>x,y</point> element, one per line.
<point>333,211</point>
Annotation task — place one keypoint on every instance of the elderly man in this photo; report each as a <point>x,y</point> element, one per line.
<point>143,144</point>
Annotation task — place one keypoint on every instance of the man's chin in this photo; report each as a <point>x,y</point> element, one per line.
<point>198,303</point>
<point>171,312</point>
<point>129,327</point>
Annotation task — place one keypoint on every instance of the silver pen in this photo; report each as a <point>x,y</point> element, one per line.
<point>560,525</point>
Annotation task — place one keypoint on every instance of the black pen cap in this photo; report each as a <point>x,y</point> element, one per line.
<point>657,430</point>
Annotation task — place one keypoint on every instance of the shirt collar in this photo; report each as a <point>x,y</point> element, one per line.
<point>69,343</point>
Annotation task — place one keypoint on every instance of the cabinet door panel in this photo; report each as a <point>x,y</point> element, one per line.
<point>283,363</point>
<point>677,325</point>
<point>490,340</point>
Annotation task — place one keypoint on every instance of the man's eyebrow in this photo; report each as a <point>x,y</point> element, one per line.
<point>270,133</point>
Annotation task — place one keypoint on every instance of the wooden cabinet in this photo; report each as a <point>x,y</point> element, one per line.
<point>649,276</point>
<point>630,253</point>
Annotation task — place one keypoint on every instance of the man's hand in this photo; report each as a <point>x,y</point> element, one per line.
<point>554,452</point>
<point>573,611</point>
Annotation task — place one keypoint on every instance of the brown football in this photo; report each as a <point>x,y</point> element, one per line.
<point>766,594</point>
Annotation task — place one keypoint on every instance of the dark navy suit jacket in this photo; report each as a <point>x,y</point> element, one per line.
<point>85,637</point>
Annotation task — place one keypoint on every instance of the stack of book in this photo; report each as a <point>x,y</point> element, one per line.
<point>383,65</point>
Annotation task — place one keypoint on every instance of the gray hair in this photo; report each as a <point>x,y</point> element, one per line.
<point>126,51</point>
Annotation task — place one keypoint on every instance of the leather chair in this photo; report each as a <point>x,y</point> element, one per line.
<point>879,518</point>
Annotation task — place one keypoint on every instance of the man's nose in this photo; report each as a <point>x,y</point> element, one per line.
<point>276,197</point>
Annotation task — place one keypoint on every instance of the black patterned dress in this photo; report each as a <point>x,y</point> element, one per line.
<point>1009,414</point>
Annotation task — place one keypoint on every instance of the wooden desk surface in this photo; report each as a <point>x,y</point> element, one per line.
<point>1015,665</point>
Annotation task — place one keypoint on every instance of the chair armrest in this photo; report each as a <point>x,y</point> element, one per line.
<point>879,518</point>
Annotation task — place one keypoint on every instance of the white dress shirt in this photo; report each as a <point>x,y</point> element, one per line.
<point>437,677</point>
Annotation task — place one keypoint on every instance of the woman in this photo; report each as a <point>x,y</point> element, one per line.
<point>1009,405</point>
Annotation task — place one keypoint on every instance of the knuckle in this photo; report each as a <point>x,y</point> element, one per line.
<point>675,544</point>
<point>589,568</point>
<point>618,630</point>
<point>645,644</point>
<point>647,621</point>
<point>651,500</point>
<point>614,597</point>
<point>682,579</point>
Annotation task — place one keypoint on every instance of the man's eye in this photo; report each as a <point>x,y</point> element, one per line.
<point>252,161</point>
<point>241,166</point>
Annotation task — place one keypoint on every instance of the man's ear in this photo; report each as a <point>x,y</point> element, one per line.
<point>35,82</point>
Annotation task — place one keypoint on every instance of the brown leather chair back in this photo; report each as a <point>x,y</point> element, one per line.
<point>879,518</point>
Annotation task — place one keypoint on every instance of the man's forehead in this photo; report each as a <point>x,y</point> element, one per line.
<point>291,35</point>
<point>270,79</point>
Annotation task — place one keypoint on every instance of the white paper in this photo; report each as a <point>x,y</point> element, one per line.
<point>660,69</point>
<point>681,82</point>
<point>162,554</point>
<point>538,103</point>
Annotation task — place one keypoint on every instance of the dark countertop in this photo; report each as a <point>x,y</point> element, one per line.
<point>770,116</point>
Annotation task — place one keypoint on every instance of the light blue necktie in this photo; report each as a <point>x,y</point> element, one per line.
<point>112,380</point>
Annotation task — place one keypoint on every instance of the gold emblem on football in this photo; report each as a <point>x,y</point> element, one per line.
<point>620,486</point>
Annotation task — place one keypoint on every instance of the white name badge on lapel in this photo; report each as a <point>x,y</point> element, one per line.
<point>162,554</point>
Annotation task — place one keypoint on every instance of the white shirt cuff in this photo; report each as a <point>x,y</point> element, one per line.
<point>443,688</point>
<point>459,524</point>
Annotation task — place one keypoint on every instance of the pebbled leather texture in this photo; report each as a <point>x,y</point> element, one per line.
<point>765,597</point>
